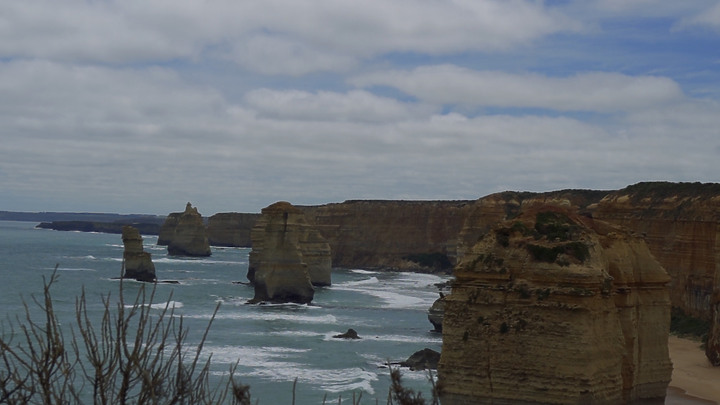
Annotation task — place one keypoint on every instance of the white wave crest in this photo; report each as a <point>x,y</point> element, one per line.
<point>371,280</point>
<point>74,269</point>
<point>162,305</point>
<point>360,271</point>
<point>270,316</point>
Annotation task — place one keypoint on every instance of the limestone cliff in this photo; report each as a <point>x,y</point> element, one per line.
<point>231,229</point>
<point>184,233</point>
<point>551,307</point>
<point>288,257</point>
<point>400,235</point>
<point>680,224</point>
<point>137,263</point>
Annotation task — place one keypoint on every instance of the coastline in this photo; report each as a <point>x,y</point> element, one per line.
<point>694,380</point>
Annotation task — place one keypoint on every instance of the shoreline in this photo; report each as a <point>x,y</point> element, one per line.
<point>694,379</point>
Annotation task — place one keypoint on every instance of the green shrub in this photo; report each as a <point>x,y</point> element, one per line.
<point>437,260</point>
<point>554,226</point>
<point>578,250</point>
<point>685,325</point>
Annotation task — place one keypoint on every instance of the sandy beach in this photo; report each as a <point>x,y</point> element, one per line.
<point>694,380</point>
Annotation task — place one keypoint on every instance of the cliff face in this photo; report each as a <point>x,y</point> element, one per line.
<point>231,229</point>
<point>554,308</point>
<point>680,224</point>
<point>401,235</point>
<point>288,256</point>
<point>138,263</point>
<point>184,233</point>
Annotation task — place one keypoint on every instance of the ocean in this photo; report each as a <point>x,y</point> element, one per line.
<point>273,345</point>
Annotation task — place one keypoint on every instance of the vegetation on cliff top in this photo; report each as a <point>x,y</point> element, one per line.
<point>656,190</point>
<point>553,228</point>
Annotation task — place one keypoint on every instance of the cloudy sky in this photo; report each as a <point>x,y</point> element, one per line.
<point>139,106</point>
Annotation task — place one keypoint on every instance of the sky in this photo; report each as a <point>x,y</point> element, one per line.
<point>140,106</point>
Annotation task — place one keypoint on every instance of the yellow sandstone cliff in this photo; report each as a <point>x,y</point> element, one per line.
<point>289,256</point>
<point>551,307</point>
<point>397,235</point>
<point>680,222</point>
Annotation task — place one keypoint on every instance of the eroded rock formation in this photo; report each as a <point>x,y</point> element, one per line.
<point>289,256</point>
<point>184,233</point>
<point>436,312</point>
<point>552,307</point>
<point>137,263</point>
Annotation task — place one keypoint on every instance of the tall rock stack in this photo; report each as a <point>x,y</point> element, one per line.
<point>288,256</point>
<point>551,307</point>
<point>137,263</point>
<point>185,234</point>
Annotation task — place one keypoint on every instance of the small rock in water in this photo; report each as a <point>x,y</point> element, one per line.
<point>422,359</point>
<point>350,334</point>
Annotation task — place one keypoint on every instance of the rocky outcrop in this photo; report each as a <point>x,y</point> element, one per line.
<point>184,233</point>
<point>288,257</point>
<point>231,229</point>
<point>552,307</point>
<point>425,359</point>
<point>137,263</point>
<point>350,334</point>
<point>435,313</point>
<point>398,235</point>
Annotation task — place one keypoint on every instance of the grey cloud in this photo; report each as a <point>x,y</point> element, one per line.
<point>311,35</point>
<point>357,105</point>
<point>592,91</point>
<point>707,18</point>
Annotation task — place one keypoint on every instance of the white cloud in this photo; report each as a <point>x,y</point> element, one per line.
<point>142,105</point>
<point>274,55</point>
<point>707,18</point>
<point>273,36</point>
<point>593,91</point>
<point>356,105</point>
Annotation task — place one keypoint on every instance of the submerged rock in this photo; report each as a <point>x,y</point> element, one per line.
<point>184,234</point>
<point>137,263</point>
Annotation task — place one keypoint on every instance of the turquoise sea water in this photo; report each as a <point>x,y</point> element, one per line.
<point>273,345</point>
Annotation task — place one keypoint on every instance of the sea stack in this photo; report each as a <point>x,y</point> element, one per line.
<point>288,256</point>
<point>137,263</point>
<point>551,307</point>
<point>185,234</point>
